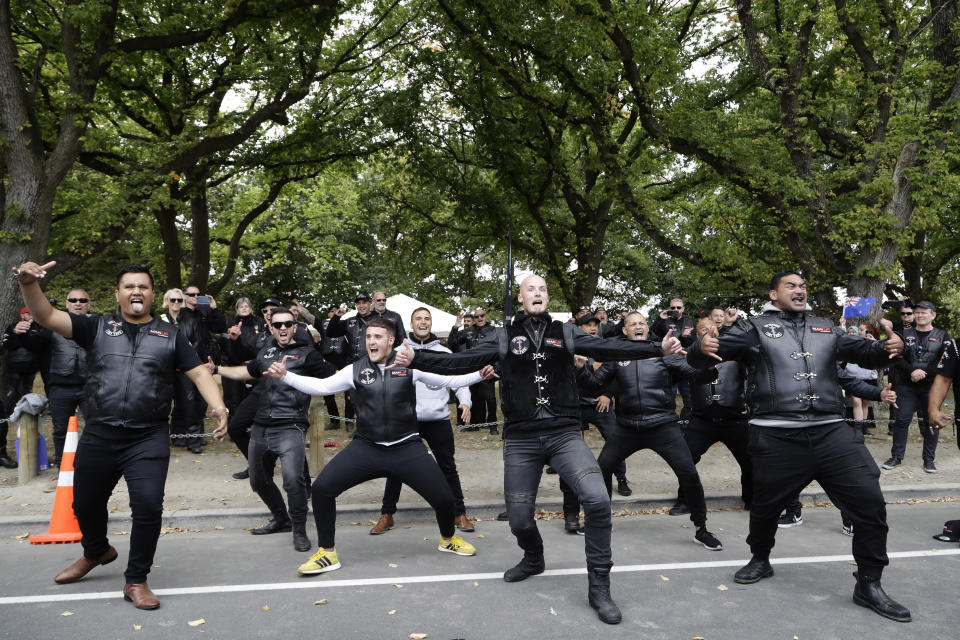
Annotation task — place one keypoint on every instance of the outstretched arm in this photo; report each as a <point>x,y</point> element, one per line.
<point>28,275</point>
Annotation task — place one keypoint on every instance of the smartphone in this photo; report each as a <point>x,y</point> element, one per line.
<point>203,301</point>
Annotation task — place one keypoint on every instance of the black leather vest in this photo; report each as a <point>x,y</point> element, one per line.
<point>278,400</point>
<point>131,382</point>
<point>386,401</point>
<point>68,362</point>
<point>645,390</point>
<point>794,373</point>
<point>726,391</point>
<point>925,352</point>
<point>537,380</point>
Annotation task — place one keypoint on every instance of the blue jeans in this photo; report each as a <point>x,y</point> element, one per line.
<point>569,455</point>
<point>288,445</point>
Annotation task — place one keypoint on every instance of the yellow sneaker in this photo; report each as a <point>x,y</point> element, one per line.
<point>320,562</point>
<point>457,545</point>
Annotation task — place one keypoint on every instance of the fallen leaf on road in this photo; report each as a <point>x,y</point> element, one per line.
<point>696,637</point>
<point>266,607</point>
<point>553,611</point>
<point>398,586</point>
<point>22,536</point>
<point>218,528</point>
<point>391,612</point>
<point>426,538</point>
<point>418,636</point>
<point>67,613</point>
<point>722,587</point>
<point>476,584</point>
<point>393,565</point>
<point>324,601</point>
<point>196,623</point>
<point>137,627</point>
<point>665,578</point>
<point>480,535</point>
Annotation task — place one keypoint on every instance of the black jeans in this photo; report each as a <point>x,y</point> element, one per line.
<point>288,445</point>
<point>19,384</point>
<point>787,460</point>
<point>439,435</point>
<point>913,399</point>
<point>606,423</point>
<point>333,412</point>
<point>484,400</point>
<point>667,442</point>
<point>64,401</point>
<point>188,410</point>
<point>569,455</point>
<point>408,462</point>
<point>241,421</point>
<point>702,433</point>
<point>141,457</point>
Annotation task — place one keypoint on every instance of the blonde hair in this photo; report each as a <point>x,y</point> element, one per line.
<point>169,293</point>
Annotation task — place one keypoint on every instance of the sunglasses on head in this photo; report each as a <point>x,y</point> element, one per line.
<point>286,324</point>
<point>177,300</point>
<point>78,299</point>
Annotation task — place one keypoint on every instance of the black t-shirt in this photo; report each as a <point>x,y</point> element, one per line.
<point>314,366</point>
<point>85,332</point>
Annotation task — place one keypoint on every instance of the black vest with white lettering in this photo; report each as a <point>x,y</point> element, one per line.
<point>538,380</point>
<point>280,401</point>
<point>131,381</point>
<point>68,362</point>
<point>386,401</point>
<point>794,373</point>
<point>725,392</point>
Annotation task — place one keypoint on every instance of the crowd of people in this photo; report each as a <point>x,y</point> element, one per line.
<point>769,387</point>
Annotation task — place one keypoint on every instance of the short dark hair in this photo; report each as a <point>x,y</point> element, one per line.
<point>383,323</point>
<point>414,312</point>
<point>281,311</point>
<point>777,277</point>
<point>134,268</point>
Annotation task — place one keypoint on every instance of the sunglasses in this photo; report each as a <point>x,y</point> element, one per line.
<point>906,313</point>
<point>193,294</point>
<point>78,299</point>
<point>286,324</point>
<point>177,300</point>
<point>677,308</point>
<point>379,299</point>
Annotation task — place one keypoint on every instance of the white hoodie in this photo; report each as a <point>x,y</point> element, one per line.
<point>433,401</point>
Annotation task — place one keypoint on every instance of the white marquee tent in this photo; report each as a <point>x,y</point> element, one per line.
<point>404,305</point>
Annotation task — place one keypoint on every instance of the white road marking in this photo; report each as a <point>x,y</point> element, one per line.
<point>310,583</point>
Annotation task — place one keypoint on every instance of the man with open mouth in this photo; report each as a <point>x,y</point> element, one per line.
<point>541,408</point>
<point>132,360</point>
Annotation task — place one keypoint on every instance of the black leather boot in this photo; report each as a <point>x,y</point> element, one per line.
<point>599,595</point>
<point>300,540</point>
<point>274,526</point>
<point>531,564</point>
<point>571,522</point>
<point>754,571</point>
<point>868,593</point>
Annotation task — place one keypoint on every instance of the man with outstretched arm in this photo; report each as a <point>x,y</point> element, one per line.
<point>798,432</point>
<point>540,402</point>
<point>386,444</point>
<point>132,361</point>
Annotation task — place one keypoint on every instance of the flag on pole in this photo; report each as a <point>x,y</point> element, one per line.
<point>857,306</point>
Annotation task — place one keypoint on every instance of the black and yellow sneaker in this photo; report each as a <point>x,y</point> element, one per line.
<point>320,562</point>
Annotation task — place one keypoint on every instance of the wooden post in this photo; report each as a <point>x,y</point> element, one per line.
<point>315,453</point>
<point>27,468</point>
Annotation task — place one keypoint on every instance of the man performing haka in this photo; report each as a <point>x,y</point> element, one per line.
<point>386,444</point>
<point>798,432</point>
<point>540,402</point>
<point>133,359</point>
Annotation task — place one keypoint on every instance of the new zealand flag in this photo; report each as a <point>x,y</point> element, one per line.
<point>857,307</point>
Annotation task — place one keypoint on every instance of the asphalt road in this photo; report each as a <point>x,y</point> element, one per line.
<point>398,584</point>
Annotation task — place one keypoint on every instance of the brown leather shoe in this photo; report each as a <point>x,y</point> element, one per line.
<point>83,566</point>
<point>384,524</point>
<point>140,595</point>
<point>463,523</point>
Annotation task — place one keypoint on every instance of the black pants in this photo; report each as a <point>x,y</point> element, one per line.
<point>484,400</point>
<point>235,392</point>
<point>439,435</point>
<point>188,410</point>
<point>912,399</point>
<point>64,401</point>
<point>667,442</point>
<point>787,460</point>
<point>606,423</point>
<point>19,384</point>
<point>141,457</point>
<point>241,421</point>
<point>408,462</point>
<point>333,412</point>
<point>285,444</point>
<point>702,433</point>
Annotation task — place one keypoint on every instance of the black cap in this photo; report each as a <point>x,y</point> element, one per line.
<point>925,304</point>
<point>362,296</point>
<point>270,302</point>
<point>951,532</point>
<point>585,318</point>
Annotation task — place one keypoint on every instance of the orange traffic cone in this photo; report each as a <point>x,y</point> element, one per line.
<point>64,527</point>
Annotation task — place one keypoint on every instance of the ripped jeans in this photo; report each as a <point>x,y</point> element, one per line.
<point>569,455</point>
